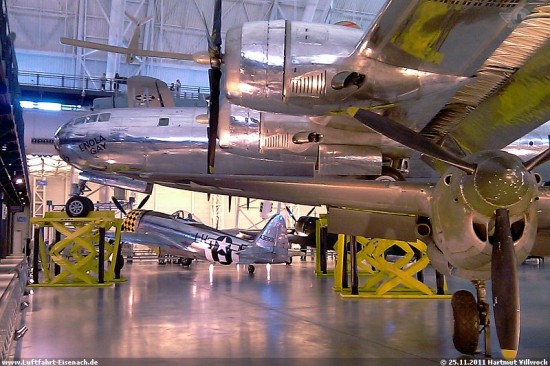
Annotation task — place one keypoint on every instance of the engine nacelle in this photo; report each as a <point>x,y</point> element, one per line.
<point>295,139</point>
<point>287,67</point>
<point>303,68</point>
<point>463,214</point>
<point>306,225</point>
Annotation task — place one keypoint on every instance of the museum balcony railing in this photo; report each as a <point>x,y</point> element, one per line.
<point>75,83</point>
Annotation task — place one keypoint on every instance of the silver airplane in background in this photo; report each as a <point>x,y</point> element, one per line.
<point>190,240</point>
<point>305,104</point>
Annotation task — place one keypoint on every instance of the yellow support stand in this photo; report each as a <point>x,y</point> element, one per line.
<point>73,259</point>
<point>385,279</point>
<point>322,222</point>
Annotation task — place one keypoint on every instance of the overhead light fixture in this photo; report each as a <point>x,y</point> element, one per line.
<point>18,178</point>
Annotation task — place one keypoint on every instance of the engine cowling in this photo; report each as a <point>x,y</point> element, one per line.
<point>464,210</point>
<point>288,67</point>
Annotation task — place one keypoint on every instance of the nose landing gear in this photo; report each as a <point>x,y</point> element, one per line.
<point>471,318</point>
<point>79,206</point>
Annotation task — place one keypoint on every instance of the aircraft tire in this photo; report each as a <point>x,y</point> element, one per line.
<point>251,269</point>
<point>78,206</point>
<point>186,261</point>
<point>289,261</point>
<point>466,322</point>
<point>390,174</point>
<point>89,203</point>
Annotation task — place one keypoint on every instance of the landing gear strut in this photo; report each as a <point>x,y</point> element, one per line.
<point>471,318</point>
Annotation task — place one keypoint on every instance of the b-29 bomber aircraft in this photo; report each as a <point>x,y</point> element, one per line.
<point>453,80</point>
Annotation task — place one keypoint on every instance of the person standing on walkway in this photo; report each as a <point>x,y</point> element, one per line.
<point>103,80</point>
<point>178,87</point>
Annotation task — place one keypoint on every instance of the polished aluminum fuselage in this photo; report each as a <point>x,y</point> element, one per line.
<point>171,141</point>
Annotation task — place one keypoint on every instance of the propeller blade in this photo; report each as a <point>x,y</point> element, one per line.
<point>214,77</point>
<point>217,26</point>
<point>409,138</point>
<point>311,211</point>
<point>290,214</point>
<point>537,160</point>
<point>505,286</point>
<point>118,205</point>
<point>143,201</point>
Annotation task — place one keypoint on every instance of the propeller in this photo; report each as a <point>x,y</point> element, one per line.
<point>121,208</point>
<point>505,283</point>
<point>505,286</point>
<point>214,80</point>
<point>399,133</point>
<point>143,202</point>
<point>119,205</point>
<point>290,213</point>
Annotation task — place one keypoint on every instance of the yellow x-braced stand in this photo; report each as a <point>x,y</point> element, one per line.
<point>74,260</point>
<point>385,279</point>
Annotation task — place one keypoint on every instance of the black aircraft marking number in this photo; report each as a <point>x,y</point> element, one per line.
<point>94,145</point>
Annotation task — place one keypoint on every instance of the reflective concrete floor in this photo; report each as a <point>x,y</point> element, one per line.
<point>166,313</point>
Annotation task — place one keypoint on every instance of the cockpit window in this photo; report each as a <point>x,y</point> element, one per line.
<point>164,121</point>
<point>91,118</point>
<point>79,120</point>
<point>104,117</point>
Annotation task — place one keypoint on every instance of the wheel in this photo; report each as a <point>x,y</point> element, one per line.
<point>119,264</point>
<point>289,262</point>
<point>186,261</point>
<point>78,206</point>
<point>390,174</point>
<point>251,269</point>
<point>89,204</point>
<point>162,260</point>
<point>466,322</point>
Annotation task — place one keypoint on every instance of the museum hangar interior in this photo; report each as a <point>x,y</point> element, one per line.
<point>161,314</point>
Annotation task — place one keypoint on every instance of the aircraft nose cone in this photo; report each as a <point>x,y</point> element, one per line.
<point>56,142</point>
<point>501,181</point>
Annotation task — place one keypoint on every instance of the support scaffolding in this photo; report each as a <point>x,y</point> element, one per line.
<point>80,255</point>
<point>381,277</point>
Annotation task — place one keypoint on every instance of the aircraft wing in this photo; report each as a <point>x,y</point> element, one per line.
<point>445,37</point>
<point>403,197</point>
<point>506,49</point>
<point>124,50</point>
<point>391,199</point>
<point>149,239</point>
